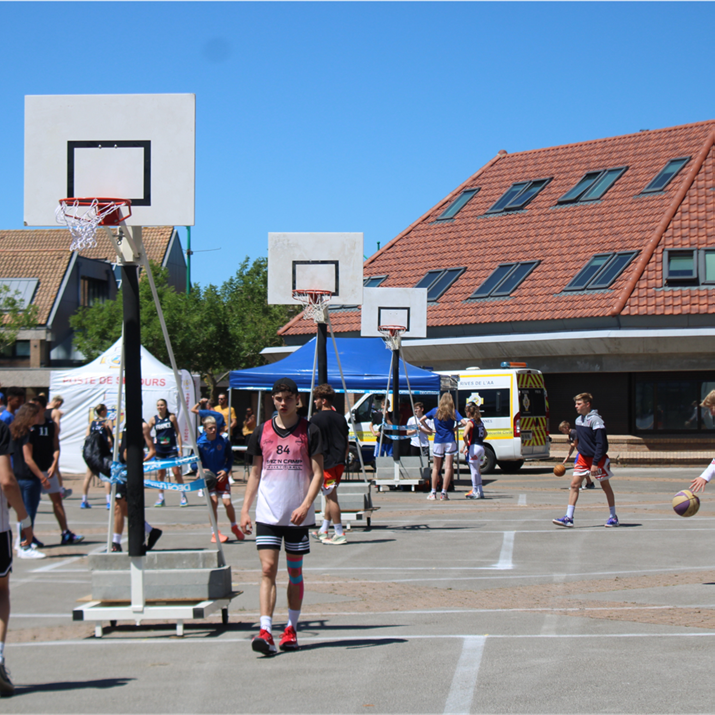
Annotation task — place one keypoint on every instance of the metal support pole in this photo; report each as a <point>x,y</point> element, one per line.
<point>133,422</point>
<point>396,411</point>
<point>189,253</point>
<point>322,338</point>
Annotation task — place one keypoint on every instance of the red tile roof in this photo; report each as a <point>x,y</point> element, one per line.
<point>45,254</point>
<point>562,237</point>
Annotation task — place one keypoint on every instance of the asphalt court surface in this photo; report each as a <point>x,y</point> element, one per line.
<point>441,607</point>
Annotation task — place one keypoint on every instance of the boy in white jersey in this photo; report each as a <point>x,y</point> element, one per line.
<point>9,493</point>
<point>286,475</point>
<point>698,485</point>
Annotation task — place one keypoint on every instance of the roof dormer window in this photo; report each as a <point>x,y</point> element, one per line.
<point>458,204</point>
<point>667,174</point>
<point>592,185</point>
<point>518,195</point>
<point>438,281</point>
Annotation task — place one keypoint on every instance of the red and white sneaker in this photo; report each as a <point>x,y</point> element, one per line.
<point>263,643</point>
<point>289,640</point>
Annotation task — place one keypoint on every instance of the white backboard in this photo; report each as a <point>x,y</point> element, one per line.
<point>394,306</point>
<point>129,146</point>
<point>318,261</point>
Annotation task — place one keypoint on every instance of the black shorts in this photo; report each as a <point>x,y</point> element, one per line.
<point>5,553</point>
<point>171,454</point>
<point>270,536</point>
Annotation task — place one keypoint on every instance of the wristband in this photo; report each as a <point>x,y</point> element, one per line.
<point>27,521</point>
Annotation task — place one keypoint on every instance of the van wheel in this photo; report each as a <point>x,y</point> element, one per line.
<point>489,460</point>
<point>511,467</point>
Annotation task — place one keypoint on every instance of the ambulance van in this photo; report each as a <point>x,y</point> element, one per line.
<point>514,407</point>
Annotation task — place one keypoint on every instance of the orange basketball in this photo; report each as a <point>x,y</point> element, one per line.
<point>559,470</point>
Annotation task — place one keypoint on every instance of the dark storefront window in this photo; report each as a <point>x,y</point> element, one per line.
<point>672,405</point>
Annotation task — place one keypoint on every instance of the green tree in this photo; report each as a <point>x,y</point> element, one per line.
<point>212,329</point>
<point>14,317</point>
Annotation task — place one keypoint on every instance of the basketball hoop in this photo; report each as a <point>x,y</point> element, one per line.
<point>83,216</point>
<point>315,304</point>
<point>392,335</point>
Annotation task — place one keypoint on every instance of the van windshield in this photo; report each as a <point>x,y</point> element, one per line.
<point>491,403</point>
<point>532,402</point>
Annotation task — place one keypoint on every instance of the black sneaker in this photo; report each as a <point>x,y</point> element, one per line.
<point>116,548</point>
<point>154,536</point>
<point>69,538</point>
<point>6,687</point>
<point>37,543</point>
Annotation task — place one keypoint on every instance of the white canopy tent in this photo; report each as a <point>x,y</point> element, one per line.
<point>83,388</point>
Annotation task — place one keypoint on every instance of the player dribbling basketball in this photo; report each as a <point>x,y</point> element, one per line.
<point>592,459</point>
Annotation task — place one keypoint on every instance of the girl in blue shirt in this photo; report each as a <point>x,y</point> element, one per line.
<point>445,418</point>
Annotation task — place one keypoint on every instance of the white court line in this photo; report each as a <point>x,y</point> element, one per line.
<point>213,642</point>
<point>67,562</point>
<point>507,552</point>
<point>522,500</point>
<point>464,682</point>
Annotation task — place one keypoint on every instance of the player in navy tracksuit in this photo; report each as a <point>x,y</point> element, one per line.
<point>592,459</point>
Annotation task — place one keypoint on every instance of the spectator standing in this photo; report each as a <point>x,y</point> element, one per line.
<point>445,418</point>
<point>167,445</point>
<point>381,420</point>
<point>10,495</point>
<point>474,435</point>
<point>249,424</point>
<point>15,399</point>
<point>203,410</point>
<point>217,457</point>
<point>228,413</point>
<point>419,441</point>
<point>335,437</point>
<point>46,455</point>
<point>103,426</point>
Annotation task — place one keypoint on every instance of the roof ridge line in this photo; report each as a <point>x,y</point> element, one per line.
<point>661,228</point>
<point>486,166</point>
<point>491,162</point>
<point>614,138</point>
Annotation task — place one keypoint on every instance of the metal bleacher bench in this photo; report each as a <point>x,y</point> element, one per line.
<point>411,472</point>
<point>355,501</point>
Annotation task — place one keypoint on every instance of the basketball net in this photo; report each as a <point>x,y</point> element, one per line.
<point>315,304</point>
<point>83,216</point>
<point>392,335</point>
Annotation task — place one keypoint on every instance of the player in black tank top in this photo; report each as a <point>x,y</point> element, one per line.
<point>167,445</point>
<point>45,442</point>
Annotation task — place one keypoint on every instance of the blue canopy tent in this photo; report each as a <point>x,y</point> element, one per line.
<point>365,363</point>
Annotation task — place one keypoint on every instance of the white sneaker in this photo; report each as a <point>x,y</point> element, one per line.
<point>200,493</point>
<point>231,480</point>
<point>28,552</point>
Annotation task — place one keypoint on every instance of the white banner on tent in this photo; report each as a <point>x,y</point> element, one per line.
<point>84,388</point>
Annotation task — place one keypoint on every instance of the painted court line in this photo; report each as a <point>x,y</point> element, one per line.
<point>164,642</point>
<point>464,682</point>
<point>522,500</point>
<point>507,552</point>
<point>68,562</point>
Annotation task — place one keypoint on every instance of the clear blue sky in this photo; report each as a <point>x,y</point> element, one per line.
<point>356,116</point>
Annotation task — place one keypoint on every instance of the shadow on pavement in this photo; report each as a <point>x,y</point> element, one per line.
<point>353,644</point>
<point>101,684</point>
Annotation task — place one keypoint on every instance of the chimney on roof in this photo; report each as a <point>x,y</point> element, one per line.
<point>502,152</point>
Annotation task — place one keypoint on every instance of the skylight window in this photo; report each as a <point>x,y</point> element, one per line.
<point>518,195</point>
<point>689,266</point>
<point>504,279</point>
<point>601,271</point>
<point>667,174</point>
<point>458,204</point>
<point>593,185</point>
<point>437,282</point>
<point>373,281</point>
